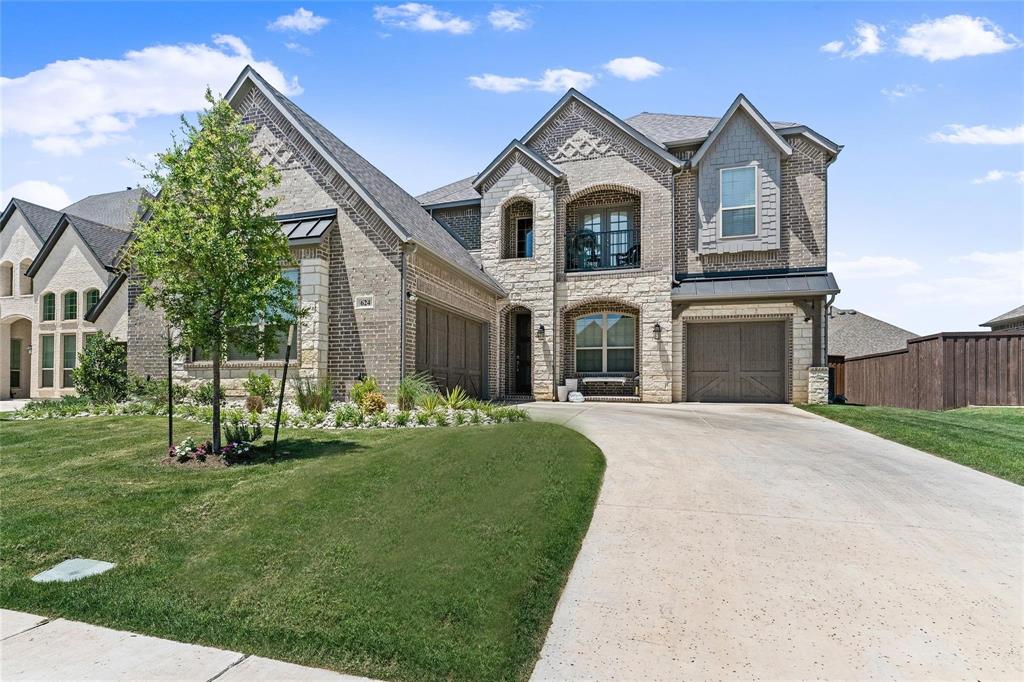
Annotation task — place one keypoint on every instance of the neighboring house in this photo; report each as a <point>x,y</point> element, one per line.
<point>59,284</point>
<point>656,258</point>
<point>1008,321</point>
<point>853,334</point>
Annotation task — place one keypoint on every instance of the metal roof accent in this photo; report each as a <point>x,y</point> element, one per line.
<point>772,286</point>
<point>308,227</point>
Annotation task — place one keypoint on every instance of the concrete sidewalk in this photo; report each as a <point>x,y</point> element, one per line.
<point>37,648</point>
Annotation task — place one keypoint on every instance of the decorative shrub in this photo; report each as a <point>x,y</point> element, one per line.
<point>189,450</point>
<point>242,432</point>
<point>254,404</point>
<point>373,403</point>
<point>457,398</point>
<point>431,402</point>
<point>203,393</point>
<point>260,386</point>
<point>414,387</point>
<point>402,418</point>
<point>237,453</point>
<point>348,415</point>
<point>362,387</point>
<point>313,396</point>
<point>155,390</point>
<point>102,371</point>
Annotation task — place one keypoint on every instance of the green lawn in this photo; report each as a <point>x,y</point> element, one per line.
<point>989,439</point>
<point>402,554</point>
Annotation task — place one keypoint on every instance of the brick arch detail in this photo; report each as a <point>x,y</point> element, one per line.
<point>505,316</point>
<point>511,211</point>
<point>599,304</point>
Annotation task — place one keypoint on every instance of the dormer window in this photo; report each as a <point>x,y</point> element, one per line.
<point>739,201</point>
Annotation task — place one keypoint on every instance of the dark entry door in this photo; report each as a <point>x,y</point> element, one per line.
<point>450,347</point>
<point>524,354</point>
<point>736,362</point>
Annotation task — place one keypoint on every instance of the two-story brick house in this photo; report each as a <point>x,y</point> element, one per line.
<point>655,258</point>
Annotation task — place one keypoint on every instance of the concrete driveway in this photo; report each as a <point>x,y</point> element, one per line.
<point>762,542</point>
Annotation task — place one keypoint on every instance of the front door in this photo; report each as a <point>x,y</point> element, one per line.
<point>524,355</point>
<point>17,390</point>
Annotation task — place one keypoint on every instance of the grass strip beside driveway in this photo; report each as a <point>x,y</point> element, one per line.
<point>989,439</point>
<point>400,554</point>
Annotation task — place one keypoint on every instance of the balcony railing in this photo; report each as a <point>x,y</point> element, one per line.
<point>586,250</point>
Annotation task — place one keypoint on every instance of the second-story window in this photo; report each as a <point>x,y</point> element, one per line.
<point>71,305</point>
<point>524,238</point>
<point>49,307</point>
<point>739,201</point>
<point>604,238</point>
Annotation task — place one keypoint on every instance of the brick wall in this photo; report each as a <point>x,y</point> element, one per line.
<point>463,221</point>
<point>568,364</point>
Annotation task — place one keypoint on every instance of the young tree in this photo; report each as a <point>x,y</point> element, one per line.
<point>210,254</point>
<point>101,374</point>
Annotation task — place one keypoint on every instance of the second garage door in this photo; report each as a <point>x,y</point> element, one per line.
<point>450,347</point>
<point>736,362</point>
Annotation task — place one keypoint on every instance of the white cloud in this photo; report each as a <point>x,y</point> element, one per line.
<point>901,91</point>
<point>508,19</point>
<point>832,47</point>
<point>874,267</point>
<point>866,39</point>
<point>38,192</point>
<point>961,134</point>
<point>634,68</point>
<point>301,20</point>
<point>69,106</point>
<point>416,16</point>
<point>552,80</point>
<point>955,36</point>
<point>298,47</point>
<point>998,175</point>
<point>986,279</point>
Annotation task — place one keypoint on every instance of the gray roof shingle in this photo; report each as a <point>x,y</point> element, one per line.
<point>460,190</point>
<point>40,218</point>
<point>398,204</point>
<point>665,128</point>
<point>851,333</point>
<point>113,209</point>
<point>105,241</point>
<point>1017,312</point>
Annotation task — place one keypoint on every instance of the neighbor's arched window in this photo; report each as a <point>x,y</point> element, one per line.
<point>606,342</point>
<point>92,297</point>
<point>71,305</point>
<point>49,307</point>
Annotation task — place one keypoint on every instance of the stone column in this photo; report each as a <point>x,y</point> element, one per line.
<point>314,295</point>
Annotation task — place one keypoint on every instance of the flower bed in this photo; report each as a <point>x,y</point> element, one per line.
<point>340,415</point>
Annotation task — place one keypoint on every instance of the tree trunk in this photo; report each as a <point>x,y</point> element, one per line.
<point>215,356</point>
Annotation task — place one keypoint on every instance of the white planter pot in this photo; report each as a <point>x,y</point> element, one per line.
<point>563,393</point>
<point>572,385</point>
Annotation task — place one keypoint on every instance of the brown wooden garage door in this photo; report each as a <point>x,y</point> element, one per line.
<point>451,348</point>
<point>736,362</point>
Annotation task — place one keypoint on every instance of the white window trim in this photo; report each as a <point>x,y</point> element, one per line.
<point>756,205</point>
<point>604,347</point>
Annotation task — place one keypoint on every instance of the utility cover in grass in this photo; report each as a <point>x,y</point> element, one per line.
<point>73,569</point>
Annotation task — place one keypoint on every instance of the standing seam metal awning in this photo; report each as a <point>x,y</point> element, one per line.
<point>308,227</point>
<point>770,286</point>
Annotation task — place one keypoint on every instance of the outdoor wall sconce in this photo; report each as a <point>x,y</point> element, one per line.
<point>540,331</point>
<point>410,296</point>
<point>657,332</point>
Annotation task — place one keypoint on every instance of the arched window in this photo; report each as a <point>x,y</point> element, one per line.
<point>517,229</point>
<point>602,230</point>
<point>606,343</point>
<point>71,305</point>
<point>92,297</point>
<point>49,307</point>
<point>25,283</point>
<point>7,279</point>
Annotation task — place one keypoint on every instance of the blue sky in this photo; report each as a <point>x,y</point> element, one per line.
<point>926,202</point>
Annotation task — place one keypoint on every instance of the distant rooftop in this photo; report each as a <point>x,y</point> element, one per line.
<point>852,334</point>
<point>1012,315</point>
<point>113,209</point>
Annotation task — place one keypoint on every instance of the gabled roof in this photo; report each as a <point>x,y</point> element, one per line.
<point>851,333</point>
<point>452,194</point>
<point>42,220</point>
<point>397,208</point>
<point>102,241</point>
<point>615,121</point>
<point>674,130</point>
<point>1012,315</point>
<point>517,146</point>
<point>741,103</point>
<point>118,210</point>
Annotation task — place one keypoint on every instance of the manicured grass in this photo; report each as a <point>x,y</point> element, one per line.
<point>989,439</point>
<point>399,554</point>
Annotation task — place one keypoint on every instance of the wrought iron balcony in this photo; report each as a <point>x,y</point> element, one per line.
<point>586,250</point>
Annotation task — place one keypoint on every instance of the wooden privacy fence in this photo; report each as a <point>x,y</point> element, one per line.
<point>941,372</point>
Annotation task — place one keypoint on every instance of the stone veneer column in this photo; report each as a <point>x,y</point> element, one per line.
<point>314,295</point>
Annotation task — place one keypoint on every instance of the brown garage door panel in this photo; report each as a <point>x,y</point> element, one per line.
<point>736,362</point>
<point>450,348</point>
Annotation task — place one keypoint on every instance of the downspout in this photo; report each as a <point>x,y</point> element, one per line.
<point>824,332</point>
<point>555,332</point>
<point>401,314</point>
